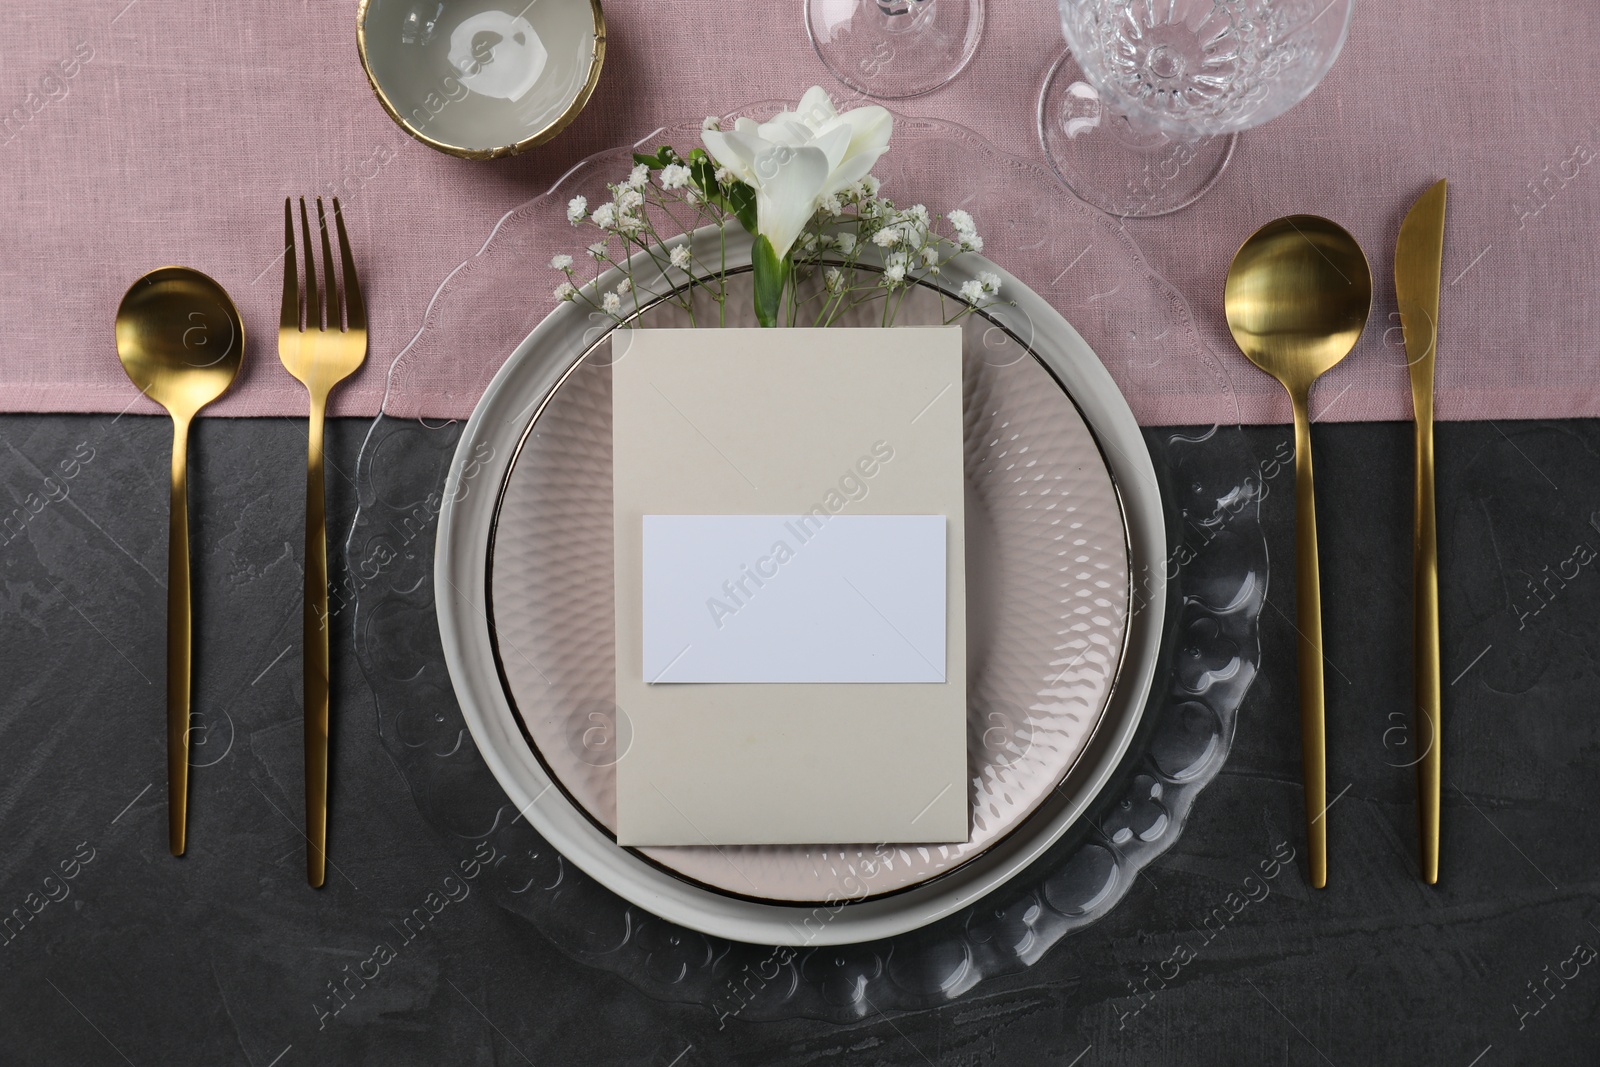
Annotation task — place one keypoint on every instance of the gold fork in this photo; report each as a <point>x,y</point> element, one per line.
<point>322,350</point>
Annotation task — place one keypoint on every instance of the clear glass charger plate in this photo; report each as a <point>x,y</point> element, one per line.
<point>1216,584</point>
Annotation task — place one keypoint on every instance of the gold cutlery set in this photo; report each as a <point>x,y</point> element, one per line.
<point>1297,298</point>
<point>182,343</point>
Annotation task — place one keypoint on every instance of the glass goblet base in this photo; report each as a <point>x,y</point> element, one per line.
<point>1110,164</point>
<point>893,49</point>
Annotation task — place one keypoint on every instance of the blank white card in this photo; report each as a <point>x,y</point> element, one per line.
<point>794,598</point>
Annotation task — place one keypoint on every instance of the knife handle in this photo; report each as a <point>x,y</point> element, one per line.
<point>1426,644</point>
<point>1308,618</point>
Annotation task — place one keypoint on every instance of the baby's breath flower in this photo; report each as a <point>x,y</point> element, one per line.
<point>630,199</point>
<point>611,303</point>
<point>918,213</point>
<point>605,216</point>
<point>576,208</point>
<point>561,262</point>
<point>830,206</point>
<point>930,255</point>
<point>990,281</point>
<point>680,257</point>
<point>624,287</point>
<point>674,176</point>
<point>565,291</point>
<point>640,175</point>
<point>871,184</point>
<point>962,221</point>
<point>847,243</point>
<point>711,122</point>
<point>972,242</point>
<point>723,175</point>
<point>832,279</point>
<point>887,237</point>
<point>598,250</point>
<point>894,274</point>
<point>972,291</point>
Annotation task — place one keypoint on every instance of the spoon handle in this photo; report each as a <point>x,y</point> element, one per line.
<point>1308,612</point>
<point>179,634</point>
<point>315,638</point>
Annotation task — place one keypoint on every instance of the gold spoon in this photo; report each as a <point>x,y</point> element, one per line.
<point>181,342</point>
<point>1297,298</point>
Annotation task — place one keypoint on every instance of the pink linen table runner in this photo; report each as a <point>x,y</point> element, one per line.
<point>134,135</point>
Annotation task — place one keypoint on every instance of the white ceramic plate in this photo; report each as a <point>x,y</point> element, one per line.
<point>1027,789</point>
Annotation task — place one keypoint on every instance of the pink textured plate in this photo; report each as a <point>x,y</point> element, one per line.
<point>1047,591</point>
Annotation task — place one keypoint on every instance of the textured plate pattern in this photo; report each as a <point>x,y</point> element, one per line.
<point>1047,588</point>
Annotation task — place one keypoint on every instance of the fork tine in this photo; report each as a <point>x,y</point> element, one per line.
<point>313,300</point>
<point>289,318</point>
<point>355,312</point>
<point>330,283</point>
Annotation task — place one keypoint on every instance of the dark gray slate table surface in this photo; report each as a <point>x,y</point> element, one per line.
<point>222,957</point>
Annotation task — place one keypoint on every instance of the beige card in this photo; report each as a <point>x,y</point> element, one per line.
<point>784,422</point>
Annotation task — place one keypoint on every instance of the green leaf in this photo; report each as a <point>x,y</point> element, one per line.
<point>740,200</point>
<point>653,162</point>
<point>704,173</point>
<point>771,277</point>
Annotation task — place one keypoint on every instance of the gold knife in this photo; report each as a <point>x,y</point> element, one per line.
<point>1418,257</point>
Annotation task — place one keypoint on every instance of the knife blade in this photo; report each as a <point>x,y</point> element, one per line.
<point>1418,259</point>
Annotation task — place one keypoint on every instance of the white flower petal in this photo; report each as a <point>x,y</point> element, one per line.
<point>791,182</point>
<point>735,151</point>
<point>816,107</point>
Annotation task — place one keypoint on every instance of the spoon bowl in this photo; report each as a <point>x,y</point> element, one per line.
<point>181,342</point>
<point>180,338</point>
<point>1297,298</point>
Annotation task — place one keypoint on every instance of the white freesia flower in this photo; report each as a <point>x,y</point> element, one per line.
<point>799,157</point>
<point>576,208</point>
<point>561,262</point>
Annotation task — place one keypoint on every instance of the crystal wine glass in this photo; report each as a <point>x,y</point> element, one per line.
<point>1139,117</point>
<point>894,48</point>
